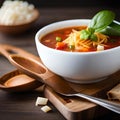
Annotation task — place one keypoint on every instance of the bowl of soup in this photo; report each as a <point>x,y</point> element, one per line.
<point>77,62</point>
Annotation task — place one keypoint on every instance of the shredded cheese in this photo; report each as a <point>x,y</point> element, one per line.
<point>74,39</point>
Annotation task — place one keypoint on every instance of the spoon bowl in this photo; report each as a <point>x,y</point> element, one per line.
<point>16,81</point>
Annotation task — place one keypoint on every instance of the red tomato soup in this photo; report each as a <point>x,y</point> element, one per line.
<point>56,40</point>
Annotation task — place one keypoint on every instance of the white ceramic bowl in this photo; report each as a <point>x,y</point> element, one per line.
<point>87,67</point>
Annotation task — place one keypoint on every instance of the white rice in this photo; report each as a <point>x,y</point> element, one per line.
<point>15,12</point>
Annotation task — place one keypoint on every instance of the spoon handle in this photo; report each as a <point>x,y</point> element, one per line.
<point>104,103</point>
<point>4,51</point>
<point>7,50</point>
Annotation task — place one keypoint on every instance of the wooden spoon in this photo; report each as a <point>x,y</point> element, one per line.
<point>16,81</point>
<point>37,70</point>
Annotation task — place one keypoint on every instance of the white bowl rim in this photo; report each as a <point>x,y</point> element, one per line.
<point>66,52</point>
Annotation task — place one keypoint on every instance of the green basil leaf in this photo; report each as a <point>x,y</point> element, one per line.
<point>84,34</point>
<point>91,30</point>
<point>112,29</point>
<point>115,25</point>
<point>93,37</point>
<point>101,20</point>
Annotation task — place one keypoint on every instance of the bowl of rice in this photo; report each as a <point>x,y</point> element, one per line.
<point>17,16</point>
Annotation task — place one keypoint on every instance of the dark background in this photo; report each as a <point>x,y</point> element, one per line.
<point>74,3</point>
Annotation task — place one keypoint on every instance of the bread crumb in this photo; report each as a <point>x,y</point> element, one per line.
<point>46,109</point>
<point>41,101</point>
<point>114,93</point>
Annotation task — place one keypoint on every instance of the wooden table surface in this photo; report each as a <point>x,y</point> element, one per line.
<point>21,106</point>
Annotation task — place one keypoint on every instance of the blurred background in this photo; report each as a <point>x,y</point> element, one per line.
<point>75,3</point>
<point>78,4</point>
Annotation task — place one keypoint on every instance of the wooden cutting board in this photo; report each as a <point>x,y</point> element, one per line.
<point>74,108</point>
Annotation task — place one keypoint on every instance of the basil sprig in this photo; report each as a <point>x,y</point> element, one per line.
<point>88,34</point>
<point>112,29</point>
<point>102,22</point>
